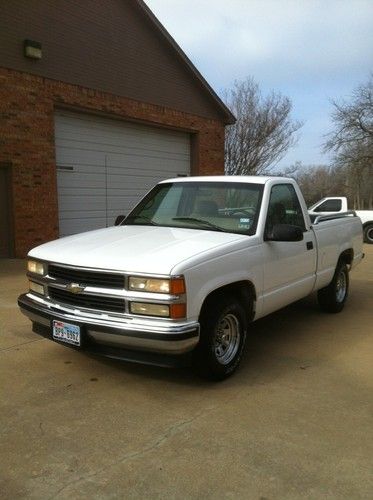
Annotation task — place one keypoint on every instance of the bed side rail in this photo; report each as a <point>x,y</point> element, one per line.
<point>342,215</point>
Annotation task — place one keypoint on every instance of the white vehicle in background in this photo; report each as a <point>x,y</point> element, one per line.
<point>338,204</point>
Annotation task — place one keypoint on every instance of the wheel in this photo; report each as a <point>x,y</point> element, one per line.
<point>223,336</point>
<point>332,298</point>
<point>368,234</point>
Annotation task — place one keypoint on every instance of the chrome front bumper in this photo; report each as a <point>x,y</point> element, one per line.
<point>166,337</point>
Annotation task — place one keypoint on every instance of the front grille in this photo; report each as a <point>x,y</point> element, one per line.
<point>87,301</point>
<point>83,277</point>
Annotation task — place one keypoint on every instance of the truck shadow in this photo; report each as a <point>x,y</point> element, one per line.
<point>288,340</point>
<point>284,341</point>
<point>299,337</point>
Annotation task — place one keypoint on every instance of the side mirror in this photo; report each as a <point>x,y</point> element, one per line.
<point>285,232</point>
<point>119,220</point>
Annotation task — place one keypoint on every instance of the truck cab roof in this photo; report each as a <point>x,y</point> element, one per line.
<point>250,179</point>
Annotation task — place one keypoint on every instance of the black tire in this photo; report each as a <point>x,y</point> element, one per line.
<point>368,234</point>
<point>223,337</point>
<point>332,298</point>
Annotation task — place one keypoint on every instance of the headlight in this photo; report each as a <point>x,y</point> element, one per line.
<point>35,267</point>
<point>150,309</point>
<point>173,286</point>
<point>35,287</point>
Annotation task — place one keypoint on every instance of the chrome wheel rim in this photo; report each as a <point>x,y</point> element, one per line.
<point>227,339</point>
<point>341,286</point>
<point>370,235</point>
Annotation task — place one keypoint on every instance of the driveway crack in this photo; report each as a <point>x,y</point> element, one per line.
<point>19,345</point>
<point>153,445</point>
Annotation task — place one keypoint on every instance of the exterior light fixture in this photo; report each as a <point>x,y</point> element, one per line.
<point>32,49</point>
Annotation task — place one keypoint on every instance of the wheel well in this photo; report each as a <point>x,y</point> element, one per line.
<point>347,256</point>
<point>369,223</point>
<point>242,291</point>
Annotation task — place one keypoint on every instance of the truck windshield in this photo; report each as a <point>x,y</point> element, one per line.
<point>212,206</point>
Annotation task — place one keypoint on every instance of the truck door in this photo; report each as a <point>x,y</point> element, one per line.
<point>289,266</point>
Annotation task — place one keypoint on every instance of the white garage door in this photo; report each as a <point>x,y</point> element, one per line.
<point>105,166</point>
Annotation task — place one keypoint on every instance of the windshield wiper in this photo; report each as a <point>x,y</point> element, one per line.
<point>142,217</point>
<point>201,221</point>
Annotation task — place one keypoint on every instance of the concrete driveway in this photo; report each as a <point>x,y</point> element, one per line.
<point>294,422</point>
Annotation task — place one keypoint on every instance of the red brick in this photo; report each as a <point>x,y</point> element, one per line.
<point>27,104</point>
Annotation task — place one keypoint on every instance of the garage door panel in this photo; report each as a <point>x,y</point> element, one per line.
<point>128,146</point>
<point>138,182</point>
<point>97,185</point>
<point>130,196</point>
<point>82,202</point>
<point>89,169</point>
<point>77,214</point>
<point>117,158</point>
<point>79,156</point>
<point>118,205</point>
<point>162,170</point>
<point>82,180</point>
<point>82,191</point>
<point>116,201</point>
<point>117,133</point>
<point>68,227</point>
<point>127,191</point>
<point>87,164</point>
<point>104,167</point>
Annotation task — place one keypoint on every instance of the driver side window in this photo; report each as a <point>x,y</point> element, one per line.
<point>330,206</point>
<point>284,207</point>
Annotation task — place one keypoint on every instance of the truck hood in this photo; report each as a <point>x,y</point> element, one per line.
<point>143,249</point>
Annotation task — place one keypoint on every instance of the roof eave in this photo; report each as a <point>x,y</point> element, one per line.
<point>228,117</point>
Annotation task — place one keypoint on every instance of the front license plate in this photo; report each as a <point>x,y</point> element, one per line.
<point>66,332</point>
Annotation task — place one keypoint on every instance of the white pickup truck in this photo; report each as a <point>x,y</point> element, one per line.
<point>183,275</point>
<point>338,204</point>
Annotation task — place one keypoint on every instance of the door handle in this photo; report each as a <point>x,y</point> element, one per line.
<point>309,245</point>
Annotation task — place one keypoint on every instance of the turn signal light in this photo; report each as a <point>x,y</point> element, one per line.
<point>177,286</point>
<point>177,311</point>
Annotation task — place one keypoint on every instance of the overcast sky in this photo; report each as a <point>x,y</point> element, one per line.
<point>309,50</point>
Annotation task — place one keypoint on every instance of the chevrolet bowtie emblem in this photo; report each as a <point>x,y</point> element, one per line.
<point>75,288</point>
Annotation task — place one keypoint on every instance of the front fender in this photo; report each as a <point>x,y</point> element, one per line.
<point>206,277</point>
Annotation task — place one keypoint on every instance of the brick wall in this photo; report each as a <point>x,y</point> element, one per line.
<point>27,104</point>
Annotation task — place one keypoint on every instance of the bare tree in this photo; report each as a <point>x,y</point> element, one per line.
<point>318,181</point>
<point>293,170</point>
<point>264,130</point>
<point>351,141</point>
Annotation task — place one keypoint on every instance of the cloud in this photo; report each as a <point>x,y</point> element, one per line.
<point>308,49</point>
<point>293,36</point>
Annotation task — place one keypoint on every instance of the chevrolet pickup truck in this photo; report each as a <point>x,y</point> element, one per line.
<point>181,277</point>
<point>338,204</point>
